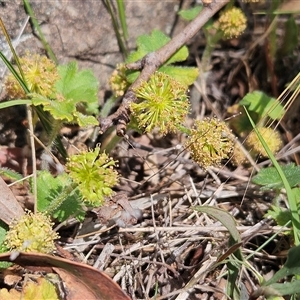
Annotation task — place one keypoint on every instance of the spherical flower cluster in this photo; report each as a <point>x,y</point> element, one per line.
<point>232,22</point>
<point>271,137</point>
<point>31,233</point>
<point>94,175</point>
<point>40,74</point>
<point>238,157</point>
<point>210,142</point>
<point>163,104</point>
<point>118,81</point>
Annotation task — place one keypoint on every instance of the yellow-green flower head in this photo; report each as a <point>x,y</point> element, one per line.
<point>210,142</point>
<point>271,137</point>
<point>238,157</point>
<point>40,74</point>
<point>31,233</point>
<point>118,81</point>
<point>94,175</point>
<point>163,104</point>
<point>232,22</point>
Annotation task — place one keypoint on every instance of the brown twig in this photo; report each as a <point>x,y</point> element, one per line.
<point>152,61</point>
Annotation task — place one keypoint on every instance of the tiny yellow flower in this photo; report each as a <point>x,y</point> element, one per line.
<point>94,174</point>
<point>238,157</point>
<point>163,104</point>
<point>118,81</point>
<point>31,233</point>
<point>272,138</point>
<point>210,142</point>
<point>232,22</point>
<point>40,74</point>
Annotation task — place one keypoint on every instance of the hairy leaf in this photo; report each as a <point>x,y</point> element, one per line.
<point>190,14</point>
<point>280,215</point>
<point>81,86</point>
<point>150,43</point>
<point>282,289</point>
<point>269,178</point>
<point>73,88</point>
<point>184,75</point>
<point>84,120</point>
<point>11,174</point>
<point>58,196</point>
<point>263,105</point>
<point>291,266</point>
<point>59,109</point>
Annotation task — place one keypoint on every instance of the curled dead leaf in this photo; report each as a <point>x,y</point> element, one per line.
<point>81,281</point>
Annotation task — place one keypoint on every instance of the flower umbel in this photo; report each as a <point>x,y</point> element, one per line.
<point>31,233</point>
<point>238,157</point>
<point>209,142</point>
<point>232,22</point>
<point>40,75</point>
<point>271,137</point>
<point>163,104</point>
<point>118,81</point>
<point>94,175</point>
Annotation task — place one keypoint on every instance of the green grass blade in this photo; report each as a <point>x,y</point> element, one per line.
<point>40,33</point>
<point>116,28</point>
<point>290,195</point>
<point>122,17</point>
<point>14,103</point>
<point>225,218</point>
<point>15,73</point>
<point>234,241</point>
<point>46,122</point>
<point>13,52</point>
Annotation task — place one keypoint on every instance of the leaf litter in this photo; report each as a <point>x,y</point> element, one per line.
<point>149,238</point>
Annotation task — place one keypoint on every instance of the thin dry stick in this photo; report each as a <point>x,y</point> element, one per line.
<point>192,228</point>
<point>201,88</point>
<point>151,62</point>
<point>33,155</point>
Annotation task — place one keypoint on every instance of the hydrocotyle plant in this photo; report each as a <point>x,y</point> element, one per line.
<point>65,93</point>
<point>163,104</point>
<point>210,141</point>
<point>31,233</point>
<point>94,175</point>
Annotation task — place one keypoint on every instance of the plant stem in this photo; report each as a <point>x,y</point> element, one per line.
<point>151,62</point>
<point>295,218</point>
<point>55,128</point>
<point>212,41</point>
<point>122,17</point>
<point>33,155</point>
<point>40,33</point>
<point>116,28</point>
